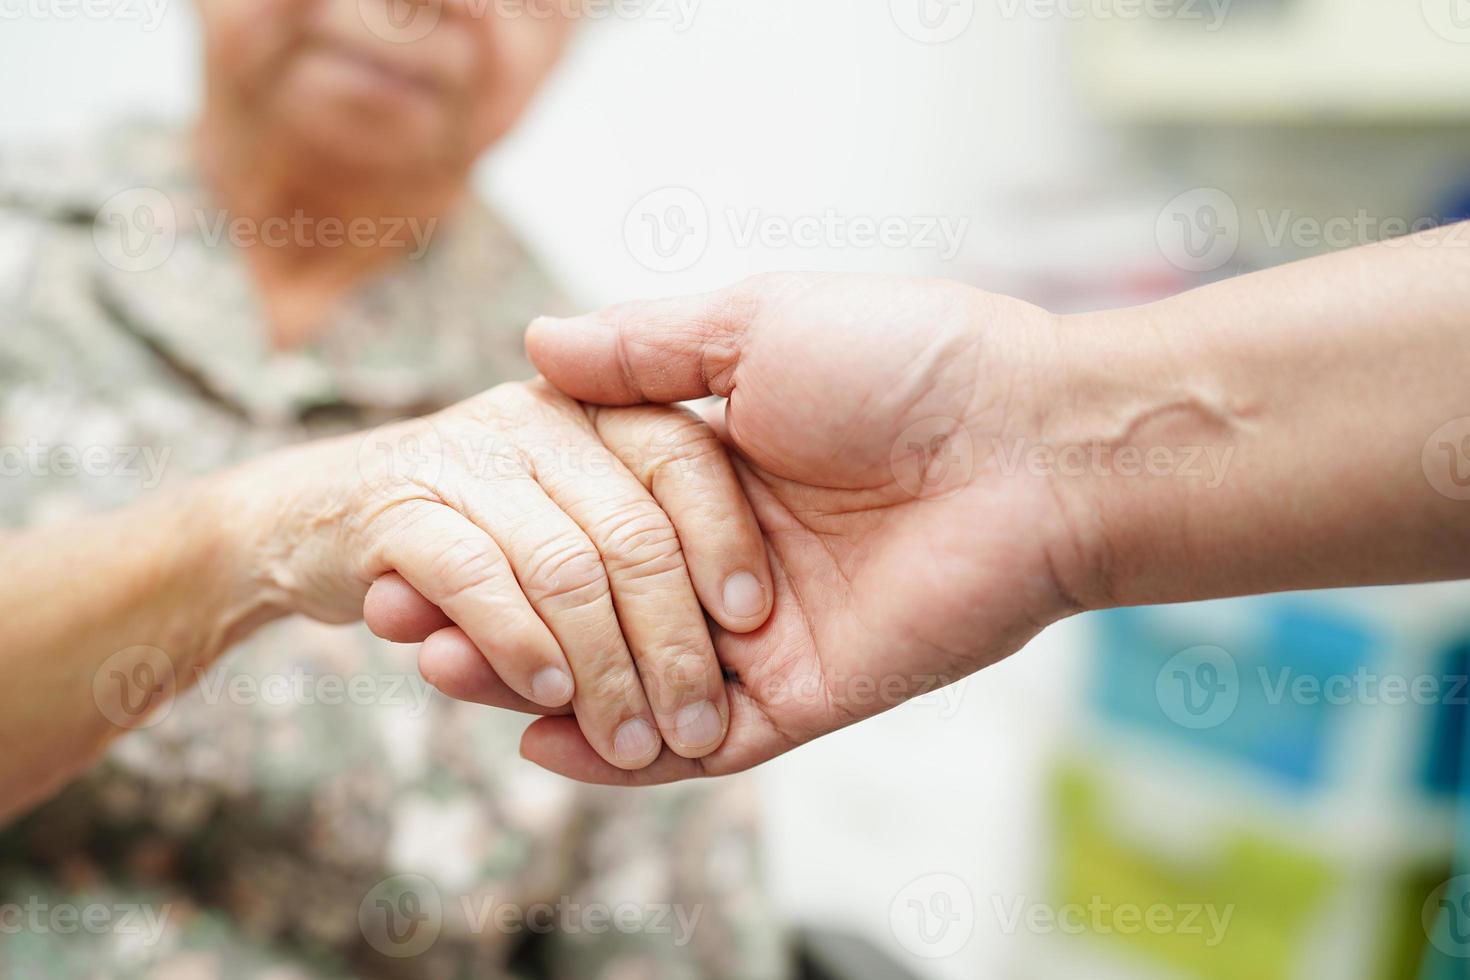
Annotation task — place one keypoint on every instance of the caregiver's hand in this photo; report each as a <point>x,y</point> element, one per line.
<point>514,513</point>
<point>940,472</point>
<point>864,411</point>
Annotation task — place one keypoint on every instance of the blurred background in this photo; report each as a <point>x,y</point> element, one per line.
<point>1252,766</point>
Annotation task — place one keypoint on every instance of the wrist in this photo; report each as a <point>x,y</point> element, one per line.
<point>283,525</point>
<point>1142,430</point>
<point>207,568</point>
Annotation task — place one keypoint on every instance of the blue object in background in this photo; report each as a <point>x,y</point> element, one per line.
<point>1444,754</point>
<point>1458,208</point>
<point>1264,697</point>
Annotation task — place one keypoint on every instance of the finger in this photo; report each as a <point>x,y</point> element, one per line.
<point>684,465</point>
<point>455,666</point>
<point>653,351</point>
<point>561,572</point>
<point>460,569</point>
<point>656,603</point>
<point>397,612</point>
<point>554,744</point>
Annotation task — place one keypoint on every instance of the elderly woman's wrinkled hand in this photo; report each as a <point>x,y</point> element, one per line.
<point>576,548</point>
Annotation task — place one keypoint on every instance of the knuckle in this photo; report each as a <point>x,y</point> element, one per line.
<point>500,400</point>
<point>609,683</point>
<point>640,541</point>
<point>520,400</point>
<point>566,570</point>
<point>464,567</point>
<point>689,447</point>
<point>675,676</point>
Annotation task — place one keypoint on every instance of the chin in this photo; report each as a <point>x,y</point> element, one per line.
<point>365,127</point>
<point>348,145</point>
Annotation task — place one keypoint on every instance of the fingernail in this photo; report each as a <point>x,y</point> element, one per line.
<point>744,596</point>
<point>634,741</point>
<point>552,688</point>
<point>558,323</point>
<point>697,725</point>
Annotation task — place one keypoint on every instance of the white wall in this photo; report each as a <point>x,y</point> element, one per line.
<point>792,108</point>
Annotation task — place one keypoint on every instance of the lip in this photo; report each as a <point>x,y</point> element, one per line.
<point>394,71</point>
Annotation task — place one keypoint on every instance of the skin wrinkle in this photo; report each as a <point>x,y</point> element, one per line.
<point>566,572</point>
<point>739,308</point>
<point>697,445</point>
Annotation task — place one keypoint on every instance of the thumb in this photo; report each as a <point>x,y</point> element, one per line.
<point>664,350</point>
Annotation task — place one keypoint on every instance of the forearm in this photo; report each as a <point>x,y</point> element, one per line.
<point>1306,396</point>
<point>103,618</point>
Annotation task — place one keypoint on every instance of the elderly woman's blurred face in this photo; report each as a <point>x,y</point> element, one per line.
<point>387,85</point>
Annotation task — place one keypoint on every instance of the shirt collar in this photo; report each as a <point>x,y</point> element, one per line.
<point>419,335</point>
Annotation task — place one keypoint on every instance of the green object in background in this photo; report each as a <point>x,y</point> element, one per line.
<point>1266,894</point>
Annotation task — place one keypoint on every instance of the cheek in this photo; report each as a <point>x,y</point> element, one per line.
<point>246,41</point>
<point>515,56</point>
